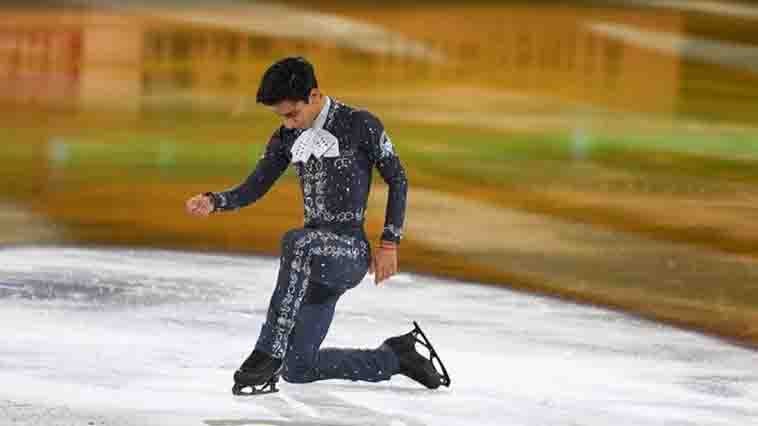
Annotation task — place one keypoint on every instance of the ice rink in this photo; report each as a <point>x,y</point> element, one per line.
<point>127,337</point>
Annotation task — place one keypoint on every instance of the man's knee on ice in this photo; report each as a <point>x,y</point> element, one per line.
<point>298,371</point>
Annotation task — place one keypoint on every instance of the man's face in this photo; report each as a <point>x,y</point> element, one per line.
<point>298,114</point>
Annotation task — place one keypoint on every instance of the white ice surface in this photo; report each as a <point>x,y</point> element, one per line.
<point>124,337</point>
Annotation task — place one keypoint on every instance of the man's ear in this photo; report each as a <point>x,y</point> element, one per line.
<point>314,95</point>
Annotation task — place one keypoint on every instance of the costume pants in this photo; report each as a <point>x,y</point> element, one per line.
<point>316,268</point>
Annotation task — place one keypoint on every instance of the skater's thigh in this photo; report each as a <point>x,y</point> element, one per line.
<point>336,261</point>
<point>338,274</point>
<point>338,264</point>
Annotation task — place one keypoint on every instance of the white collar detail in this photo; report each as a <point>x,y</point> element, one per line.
<point>315,140</point>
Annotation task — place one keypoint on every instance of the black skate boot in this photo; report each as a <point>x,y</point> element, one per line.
<point>415,365</point>
<point>259,373</point>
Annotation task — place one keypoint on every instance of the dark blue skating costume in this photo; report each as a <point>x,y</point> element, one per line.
<point>334,160</point>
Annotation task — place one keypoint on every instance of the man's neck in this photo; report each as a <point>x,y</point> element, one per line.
<point>320,120</point>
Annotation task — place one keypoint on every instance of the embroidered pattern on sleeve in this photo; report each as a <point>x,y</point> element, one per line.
<point>385,143</point>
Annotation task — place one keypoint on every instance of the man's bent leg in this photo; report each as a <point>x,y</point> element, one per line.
<point>291,286</point>
<point>295,326</point>
<point>340,260</point>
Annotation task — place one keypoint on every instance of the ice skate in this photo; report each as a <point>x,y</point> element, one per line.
<point>257,375</point>
<point>415,365</point>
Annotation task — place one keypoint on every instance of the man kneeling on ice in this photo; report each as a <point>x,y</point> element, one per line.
<point>333,148</point>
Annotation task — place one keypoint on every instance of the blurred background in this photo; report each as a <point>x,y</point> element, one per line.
<point>600,151</point>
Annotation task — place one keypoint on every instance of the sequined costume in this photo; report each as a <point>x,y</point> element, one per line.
<point>330,254</point>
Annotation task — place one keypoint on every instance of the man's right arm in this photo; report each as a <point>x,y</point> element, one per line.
<point>269,168</point>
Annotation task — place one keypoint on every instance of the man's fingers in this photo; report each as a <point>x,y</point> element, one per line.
<point>383,272</point>
<point>383,265</point>
<point>196,207</point>
<point>204,206</point>
<point>191,206</point>
<point>199,205</point>
<point>389,273</point>
<point>378,272</point>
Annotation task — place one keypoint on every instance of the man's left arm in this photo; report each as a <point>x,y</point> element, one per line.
<point>382,154</point>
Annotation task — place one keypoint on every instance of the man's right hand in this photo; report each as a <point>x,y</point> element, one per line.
<point>200,205</point>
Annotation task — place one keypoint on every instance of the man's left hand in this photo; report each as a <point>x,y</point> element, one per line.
<point>384,262</point>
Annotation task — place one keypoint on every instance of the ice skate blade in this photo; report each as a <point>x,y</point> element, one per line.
<point>424,341</point>
<point>239,390</point>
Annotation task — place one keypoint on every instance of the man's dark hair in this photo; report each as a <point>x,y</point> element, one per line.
<point>290,79</point>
